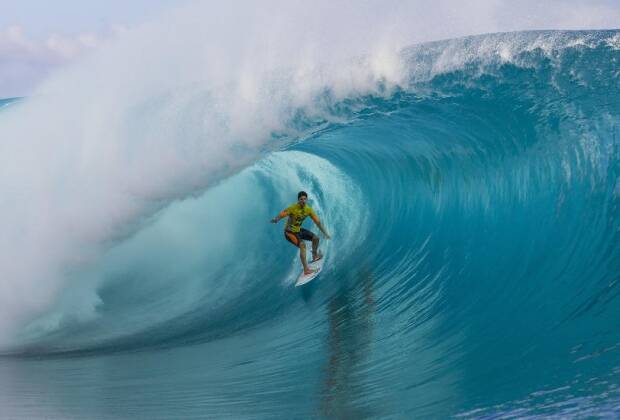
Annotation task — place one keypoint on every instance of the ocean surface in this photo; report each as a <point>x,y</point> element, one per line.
<point>473,270</point>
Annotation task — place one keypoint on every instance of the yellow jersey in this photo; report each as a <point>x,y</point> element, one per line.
<point>296,215</point>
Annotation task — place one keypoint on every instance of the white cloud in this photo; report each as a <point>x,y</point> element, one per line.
<point>26,61</point>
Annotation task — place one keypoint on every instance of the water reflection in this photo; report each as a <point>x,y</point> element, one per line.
<point>350,324</point>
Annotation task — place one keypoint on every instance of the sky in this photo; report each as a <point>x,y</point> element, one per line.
<point>40,18</point>
<point>38,36</point>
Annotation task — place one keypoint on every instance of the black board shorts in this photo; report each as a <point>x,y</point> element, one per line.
<point>296,237</point>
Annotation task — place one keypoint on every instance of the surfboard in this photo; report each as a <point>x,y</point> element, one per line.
<point>317,265</point>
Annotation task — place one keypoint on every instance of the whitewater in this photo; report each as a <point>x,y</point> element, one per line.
<point>471,187</point>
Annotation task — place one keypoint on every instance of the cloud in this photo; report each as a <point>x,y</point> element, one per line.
<point>25,61</point>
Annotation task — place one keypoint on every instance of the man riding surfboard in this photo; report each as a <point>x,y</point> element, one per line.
<point>295,234</point>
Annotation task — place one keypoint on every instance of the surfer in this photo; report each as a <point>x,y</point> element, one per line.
<point>295,234</point>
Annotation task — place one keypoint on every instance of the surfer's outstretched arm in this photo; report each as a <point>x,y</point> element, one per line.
<point>282,215</point>
<point>317,222</point>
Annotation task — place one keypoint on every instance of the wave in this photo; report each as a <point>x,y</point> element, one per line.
<point>472,193</point>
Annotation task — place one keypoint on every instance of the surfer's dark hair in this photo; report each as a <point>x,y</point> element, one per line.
<point>302,194</point>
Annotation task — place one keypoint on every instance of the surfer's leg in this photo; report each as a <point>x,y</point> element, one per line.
<point>296,239</point>
<point>302,256</point>
<point>315,248</point>
<point>309,236</point>
<point>292,238</point>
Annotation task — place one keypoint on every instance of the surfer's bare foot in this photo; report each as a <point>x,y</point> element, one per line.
<point>317,257</point>
<point>309,271</point>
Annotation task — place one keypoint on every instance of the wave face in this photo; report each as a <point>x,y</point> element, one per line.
<point>474,208</point>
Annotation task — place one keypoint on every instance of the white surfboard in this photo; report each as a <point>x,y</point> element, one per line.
<point>317,265</point>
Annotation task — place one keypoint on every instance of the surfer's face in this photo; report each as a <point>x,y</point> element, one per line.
<point>302,200</point>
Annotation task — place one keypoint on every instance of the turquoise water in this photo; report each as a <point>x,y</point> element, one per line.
<point>473,270</point>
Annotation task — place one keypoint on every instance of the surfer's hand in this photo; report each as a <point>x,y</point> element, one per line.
<point>327,236</point>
